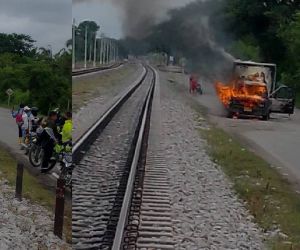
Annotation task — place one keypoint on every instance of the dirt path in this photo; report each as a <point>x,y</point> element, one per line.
<point>276,140</point>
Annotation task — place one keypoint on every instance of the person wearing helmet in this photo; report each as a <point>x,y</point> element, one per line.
<point>66,134</point>
<point>34,119</point>
<point>49,137</point>
<point>26,123</point>
<point>18,116</point>
<point>60,121</point>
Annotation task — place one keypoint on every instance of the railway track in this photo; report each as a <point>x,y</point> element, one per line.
<point>93,70</point>
<point>111,187</point>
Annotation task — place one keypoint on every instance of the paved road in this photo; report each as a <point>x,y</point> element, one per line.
<point>276,140</point>
<point>9,140</point>
<point>8,130</point>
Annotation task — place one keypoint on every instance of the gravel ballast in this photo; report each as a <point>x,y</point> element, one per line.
<point>24,225</point>
<point>206,211</point>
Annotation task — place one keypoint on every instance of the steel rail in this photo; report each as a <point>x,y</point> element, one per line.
<point>94,70</point>
<point>87,137</point>
<point>123,218</point>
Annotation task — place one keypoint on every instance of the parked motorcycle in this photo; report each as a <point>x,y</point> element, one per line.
<point>199,89</point>
<point>67,167</point>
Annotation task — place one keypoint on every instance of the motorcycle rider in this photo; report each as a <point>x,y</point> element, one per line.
<point>60,121</point>
<point>34,119</point>
<point>49,137</point>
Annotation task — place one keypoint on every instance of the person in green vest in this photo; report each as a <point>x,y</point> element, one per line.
<point>67,128</point>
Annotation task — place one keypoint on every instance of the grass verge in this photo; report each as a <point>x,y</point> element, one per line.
<point>86,88</point>
<point>32,189</point>
<point>269,197</point>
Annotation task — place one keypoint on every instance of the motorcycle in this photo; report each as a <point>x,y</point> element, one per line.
<point>35,151</point>
<point>67,167</point>
<point>199,89</point>
<point>36,154</point>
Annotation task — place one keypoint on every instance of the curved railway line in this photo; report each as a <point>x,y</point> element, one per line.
<point>117,203</point>
<point>94,70</point>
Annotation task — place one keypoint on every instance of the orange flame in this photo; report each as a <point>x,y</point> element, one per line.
<point>250,94</point>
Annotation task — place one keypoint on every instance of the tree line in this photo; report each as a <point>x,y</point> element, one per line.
<point>87,29</point>
<point>37,77</point>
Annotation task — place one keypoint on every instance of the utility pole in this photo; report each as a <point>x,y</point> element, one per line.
<point>110,51</point>
<point>107,51</point>
<point>104,51</point>
<point>100,51</point>
<point>90,52</point>
<point>85,47</point>
<point>50,50</point>
<point>95,49</point>
<point>117,53</point>
<point>73,44</point>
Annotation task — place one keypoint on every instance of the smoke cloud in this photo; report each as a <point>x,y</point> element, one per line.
<point>140,15</point>
<point>183,28</point>
<point>196,32</point>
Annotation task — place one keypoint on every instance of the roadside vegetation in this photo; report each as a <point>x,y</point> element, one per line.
<point>268,196</point>
<point>33,189</point>
<point>37,77</point>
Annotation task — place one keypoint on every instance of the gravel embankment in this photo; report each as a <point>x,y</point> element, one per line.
<point>206,211</point>
<point>24,225</point>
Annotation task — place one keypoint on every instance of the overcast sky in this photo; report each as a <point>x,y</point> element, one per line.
<point>49,22</point>
<point>108,15</point>
<point>104,13</point>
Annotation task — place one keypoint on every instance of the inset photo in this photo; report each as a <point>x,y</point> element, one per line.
<point>36,124</point>
<point>186,124</point>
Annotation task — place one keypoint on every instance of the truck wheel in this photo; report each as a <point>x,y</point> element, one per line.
<point>229,114</point>
<point>266,117</point>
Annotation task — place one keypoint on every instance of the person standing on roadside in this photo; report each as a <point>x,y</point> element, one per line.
<point>18,116</point>
<point>60,121</point>
<point>34,119</point>
<point>67,128</point>
<point>26,123</point>
<point>49,137</point>
<point>193,84</point>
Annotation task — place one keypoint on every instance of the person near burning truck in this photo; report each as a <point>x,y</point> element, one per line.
<point>193,84</point>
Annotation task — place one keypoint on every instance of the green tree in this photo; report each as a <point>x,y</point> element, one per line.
<point>91,27</point>
<point>17,43</point>
<point>38,79</point>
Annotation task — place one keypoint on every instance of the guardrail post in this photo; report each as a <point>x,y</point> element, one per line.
<point>59,207</point>
<point>19,181</point>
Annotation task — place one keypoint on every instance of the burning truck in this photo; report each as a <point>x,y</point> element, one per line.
<point>253,91</point>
